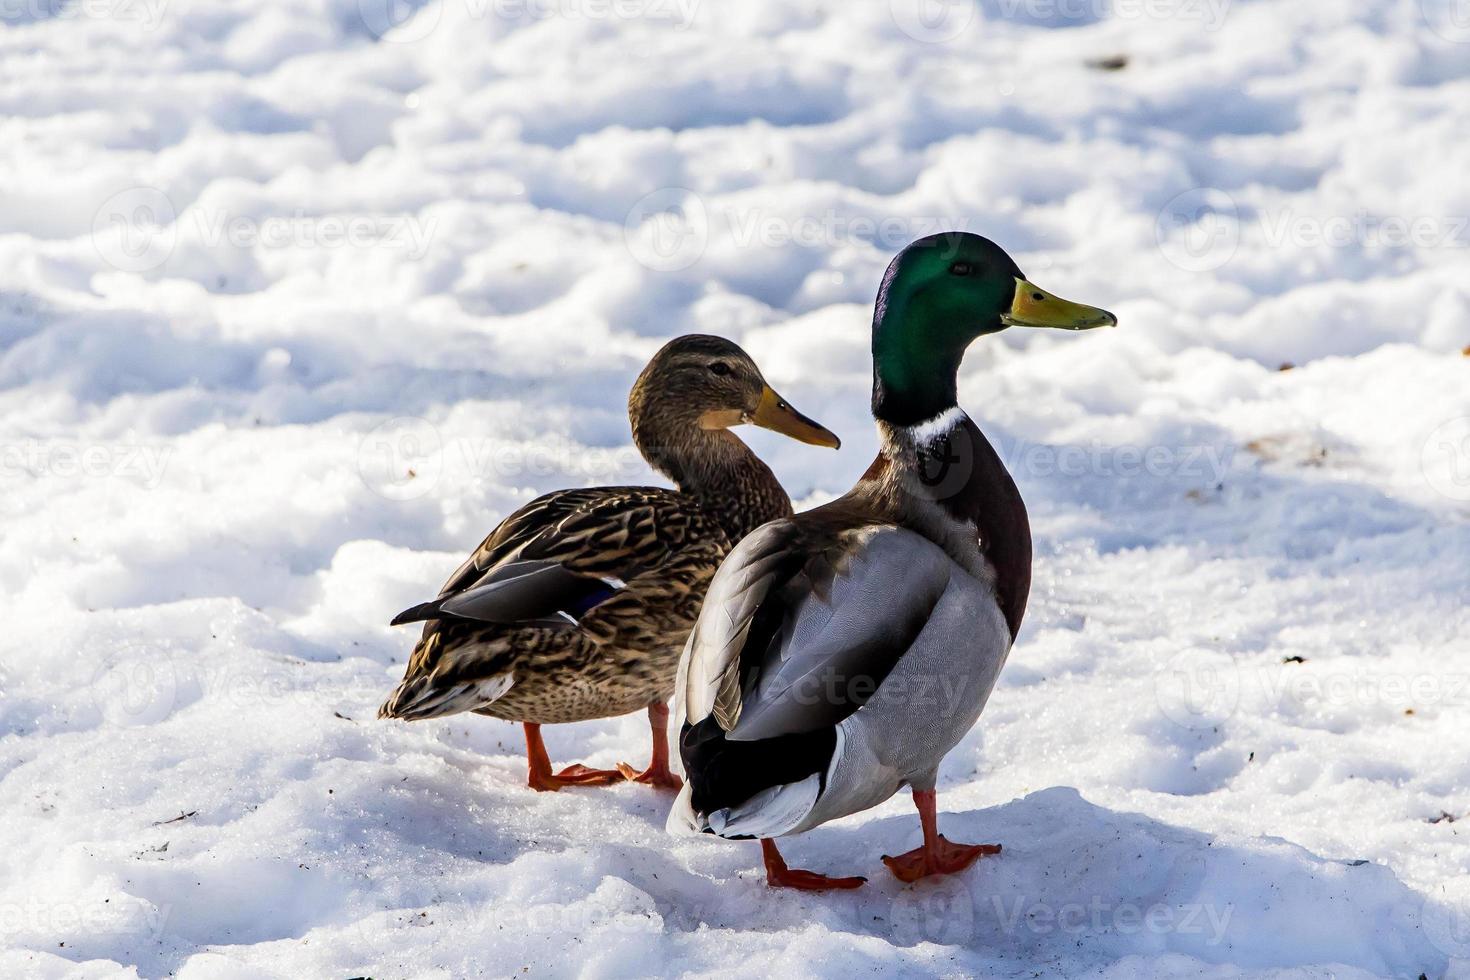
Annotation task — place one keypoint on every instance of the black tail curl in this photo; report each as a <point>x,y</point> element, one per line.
<point>723,772</point>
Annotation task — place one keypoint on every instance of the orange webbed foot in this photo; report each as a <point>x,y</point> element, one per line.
<point>655,775</point>
<point>575,775</point>
<point>943,857</point>
<point>937,855</point>
<point>811,881</point>
<point>540,777</point>
<point>778,875</point>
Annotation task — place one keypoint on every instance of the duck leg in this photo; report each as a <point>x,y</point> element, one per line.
<point>538,765</point>
<point>936,856</point>
<point>780,876</point>
<point>657,773</point>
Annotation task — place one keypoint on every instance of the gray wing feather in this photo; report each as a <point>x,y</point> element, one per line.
<point>838,643</point>
<point>516,532</point>
<point>844,625</point>
<point>712,655</point>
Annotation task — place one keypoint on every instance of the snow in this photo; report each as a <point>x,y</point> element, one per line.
<point>260,261</point>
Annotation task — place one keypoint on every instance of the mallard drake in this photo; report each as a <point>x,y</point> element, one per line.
<point>578,604</point>
<point>842,652</point>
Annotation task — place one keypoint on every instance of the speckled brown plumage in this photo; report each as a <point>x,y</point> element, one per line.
<point>640,558</point>
<point>664,544</point>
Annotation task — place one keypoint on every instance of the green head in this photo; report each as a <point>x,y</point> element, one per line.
<point>937,296</point>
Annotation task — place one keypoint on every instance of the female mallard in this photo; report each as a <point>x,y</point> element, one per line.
<point>842,652</point>
<point>578,604</point>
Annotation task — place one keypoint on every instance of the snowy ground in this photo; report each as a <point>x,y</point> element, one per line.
<point>259,261</point>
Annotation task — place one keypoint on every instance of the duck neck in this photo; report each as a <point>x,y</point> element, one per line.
<point>947,482</point>
<point>718,469</point>
<point>915,364</point>
<point>928,468</point>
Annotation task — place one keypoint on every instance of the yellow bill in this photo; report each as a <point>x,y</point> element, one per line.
<point>1033,306</point>
<point>775,414</point>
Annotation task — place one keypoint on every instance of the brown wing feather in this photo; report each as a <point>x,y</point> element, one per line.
<point>519,529</point>
<point>637,535</point>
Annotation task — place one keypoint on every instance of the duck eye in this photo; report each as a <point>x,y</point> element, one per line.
<point>719,368</point>
<point>961,269</point>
